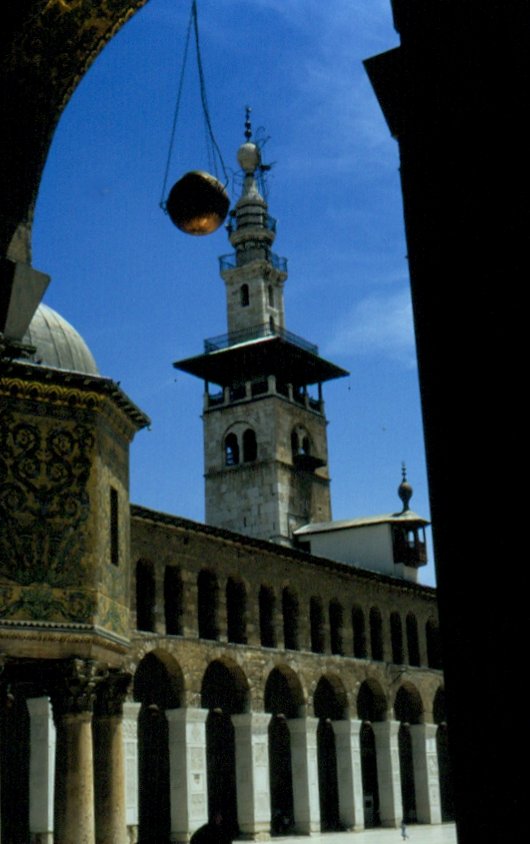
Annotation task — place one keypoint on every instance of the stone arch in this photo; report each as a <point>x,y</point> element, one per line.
<point>284,699</point>
<point>316,625</point>
<point>267,603</point>
<point>444,762</point>
<point>207,605</point>
<point>372,706</point>
<point>236,611</point>
<point>330,704</point>
<point>408,709</point>
<point>158,685</point>
<point>145,595</point>
<point>413,645</point>
<point>224,692</point>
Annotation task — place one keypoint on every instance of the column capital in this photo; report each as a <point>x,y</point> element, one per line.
<point>73,687</point>
<point>111,693</point>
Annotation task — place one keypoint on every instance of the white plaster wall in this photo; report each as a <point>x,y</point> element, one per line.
<point>369,547</point>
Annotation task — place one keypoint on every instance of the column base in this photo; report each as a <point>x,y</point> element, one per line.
<point>41,838</point>
<point>255,835</point>
<point>132,834</point>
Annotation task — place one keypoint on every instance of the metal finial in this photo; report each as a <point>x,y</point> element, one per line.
<point>248,127</point>
<point>404,490</point>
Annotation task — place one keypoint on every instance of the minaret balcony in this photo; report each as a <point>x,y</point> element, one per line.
<point>256,332</point>
<point>235,260</point>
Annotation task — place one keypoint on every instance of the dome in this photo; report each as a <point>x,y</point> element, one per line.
<point>57,343</point>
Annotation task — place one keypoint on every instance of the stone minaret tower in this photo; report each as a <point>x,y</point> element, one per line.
<point>265,445</point>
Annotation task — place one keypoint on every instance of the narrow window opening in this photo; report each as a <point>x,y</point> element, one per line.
<point>316,620</point>
<point>250,446</point>
<point>244,296</point>
<point>236,604</point>
<point>145,596</point>
<point>173,602</point>
<point>290,619</point>
<point>271,295</point>
<point>231,450</point>
<point>266,617</point>
<point>114,528</point>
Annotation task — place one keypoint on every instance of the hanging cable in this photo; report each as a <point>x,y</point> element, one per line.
<point>212,148</point>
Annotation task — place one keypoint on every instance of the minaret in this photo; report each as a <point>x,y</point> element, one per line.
<point>265,444</point>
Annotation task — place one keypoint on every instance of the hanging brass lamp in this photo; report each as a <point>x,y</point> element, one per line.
<point>198,203</point>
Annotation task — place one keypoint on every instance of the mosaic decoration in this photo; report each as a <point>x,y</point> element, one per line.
<point>44,507</point>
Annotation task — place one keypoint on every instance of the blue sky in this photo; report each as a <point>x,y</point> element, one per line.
<point>143,294</point>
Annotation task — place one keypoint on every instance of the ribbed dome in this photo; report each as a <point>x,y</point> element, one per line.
<point>58,344</point>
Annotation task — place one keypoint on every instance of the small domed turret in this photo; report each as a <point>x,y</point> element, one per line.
<point>57,343</point>
<point>249,157</point>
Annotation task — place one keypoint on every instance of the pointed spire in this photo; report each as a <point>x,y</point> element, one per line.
<point>404,490</point>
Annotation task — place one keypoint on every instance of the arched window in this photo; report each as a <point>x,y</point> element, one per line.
<point>207,605</point>
<point>145,596</point>
<point>335,628</point>
<point>434,650</point>
<point>396,635</point>
<point>231,450</point>
<point>412,640</point>
<point>244,296</point>
<point>250,446</point>
<point>236,605</point>
<point>316,621</point>
<point>290,619</point>
<point>359,633</point>
<point>376,634</point>
<point>266,617</point>
<point>294,443</point>
<point>173,601</point>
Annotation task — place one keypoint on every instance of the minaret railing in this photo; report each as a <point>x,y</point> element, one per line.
<point>256,332</point>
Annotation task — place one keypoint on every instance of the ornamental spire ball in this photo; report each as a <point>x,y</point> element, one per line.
<point>198,203</point>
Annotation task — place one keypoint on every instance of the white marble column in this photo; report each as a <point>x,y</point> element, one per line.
<point>41,770</point>
<point>388,773</point>
<point>130,754</point>
<point>426,776</point>
<point>350,784</point>
<point>187,766</point>
<point>252,774</point>
<point>303,733</point>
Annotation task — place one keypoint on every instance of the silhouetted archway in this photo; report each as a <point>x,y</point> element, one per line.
<point>157,686</point>
<point>412,639</point>
<point>236,610</point>
<point>396,636</point>
<point>359,633</point>
<point>335,627</point>
<point>371,707</point>
<point>266,617</point>
<point>14,766</point>
<point>330,705</point>
<point>376,634</point>
<point>444,761</point>
<point>145,595</point>
<point>284,700</point>
<point>224,693</point>
<point>316,623</point>
<point>173,603</point>
<point>408,710</point>
<point>207,605</point>
<point>290,619</point>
